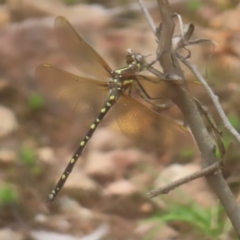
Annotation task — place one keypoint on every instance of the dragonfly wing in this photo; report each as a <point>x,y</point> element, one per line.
<point>80,53</point>
<point>84,95</point>
<point>163,88</point>
<point>158,90</point>
<point>146,127</point>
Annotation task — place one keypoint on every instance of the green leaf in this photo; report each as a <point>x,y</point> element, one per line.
<point>71,2</point>
<point>199,218</point>
<point>187,153</point>
<point>194,5</point>
<point>8,194</point>
<point>28,156</point>
<point>234,120</point>
<point>35,101</point>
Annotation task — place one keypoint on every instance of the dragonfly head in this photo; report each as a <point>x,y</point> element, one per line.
<point>135,59</point>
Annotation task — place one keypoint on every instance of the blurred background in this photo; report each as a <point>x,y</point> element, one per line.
<point>106,195</point>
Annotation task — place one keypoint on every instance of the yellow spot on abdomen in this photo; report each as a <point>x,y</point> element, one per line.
<point>46,65</point>
<point>109,104</point>
<point>112,97</point>
<point>63,176</point>
<point>97,120</point>
<point>82,143</point>
<point>72,160</point>
<point>92,126</point>
<point>103,110</point>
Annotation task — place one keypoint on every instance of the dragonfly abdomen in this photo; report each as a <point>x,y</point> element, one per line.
<point>104,110</point>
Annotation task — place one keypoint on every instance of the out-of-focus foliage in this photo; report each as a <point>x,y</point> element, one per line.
<point>29,158</point>
<point>8,194</point>
<point>72,2</point>
<point>194,5</point>
<point>204,221</point>
<point>35,101</point>
<point>235,121</point>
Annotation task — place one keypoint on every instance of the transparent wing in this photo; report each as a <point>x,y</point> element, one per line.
<point>82,94</point>
<point>146,127</point>
<point>155,90</point>
<point>79,52</point>
<point>162,89</point>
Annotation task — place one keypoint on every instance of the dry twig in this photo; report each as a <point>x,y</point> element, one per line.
<point>168,187</point>
<point>168,59</point>
<point>214,98</point>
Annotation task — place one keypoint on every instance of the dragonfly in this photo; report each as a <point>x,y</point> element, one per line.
<point>102,89</point>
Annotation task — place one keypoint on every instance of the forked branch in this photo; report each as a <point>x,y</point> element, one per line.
<point>170,65</point>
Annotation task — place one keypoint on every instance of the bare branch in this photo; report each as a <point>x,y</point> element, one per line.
<point>214,98</point>
<point>182,98</point>
<point>148,16</point>
<point>167,188</point>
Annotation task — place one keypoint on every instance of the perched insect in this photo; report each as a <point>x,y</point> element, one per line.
<point>102,90</point>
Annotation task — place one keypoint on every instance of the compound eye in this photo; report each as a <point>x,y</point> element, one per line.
<point>139,57</point>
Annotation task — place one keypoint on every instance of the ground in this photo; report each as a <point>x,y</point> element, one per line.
<point>106,194</point>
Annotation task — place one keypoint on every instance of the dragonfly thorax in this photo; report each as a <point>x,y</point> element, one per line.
<point>115,83</point>
<point>120,83</point>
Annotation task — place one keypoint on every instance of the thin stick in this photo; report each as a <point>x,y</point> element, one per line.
<point>214,98</point>
<point>167,188</point>
<point>148,17</point>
